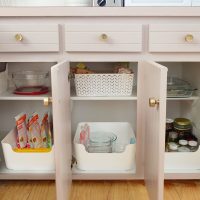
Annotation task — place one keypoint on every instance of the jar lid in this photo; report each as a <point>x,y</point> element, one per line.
<point>182,121</point>
<point>183,142</point>
<point>182,124</point>
<point>193,143</point>
<point>183,149</point>
<point>173,146</point>
<point>169,121</point>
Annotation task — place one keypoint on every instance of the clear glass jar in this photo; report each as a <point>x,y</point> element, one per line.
<point>101,142</point>
<point>173,136</point>
<point>172,147</point>
<point>193,145</point>
<point>183,127</point>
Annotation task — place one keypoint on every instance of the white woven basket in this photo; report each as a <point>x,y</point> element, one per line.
<point>104,84</point>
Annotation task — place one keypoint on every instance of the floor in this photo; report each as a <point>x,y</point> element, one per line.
<point>97,190</point>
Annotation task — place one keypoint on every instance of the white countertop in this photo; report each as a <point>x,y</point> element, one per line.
<point>101,12</point>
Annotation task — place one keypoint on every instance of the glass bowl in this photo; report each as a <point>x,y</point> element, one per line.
<point>101,142</point>
<point>30,78</point>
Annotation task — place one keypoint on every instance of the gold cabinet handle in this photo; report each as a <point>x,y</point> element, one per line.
<point>47,101</point>
<point>189,38</point>
<point>19,37</point>
<point>103,36</point>
<point>153,102</point>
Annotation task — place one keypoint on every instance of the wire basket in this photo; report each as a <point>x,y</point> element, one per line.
<point>104,84</point>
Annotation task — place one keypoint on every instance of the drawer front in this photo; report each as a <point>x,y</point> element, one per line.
<point>29,38</point>
<point>107,38</point>
<point>174,38</point>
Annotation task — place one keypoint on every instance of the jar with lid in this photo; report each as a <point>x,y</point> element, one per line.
<point>173,136</point>
<point>193,145</point>
<point>172,147</point>
<point>169,128</point>
<point>183,127</point>
<point>183,146</point>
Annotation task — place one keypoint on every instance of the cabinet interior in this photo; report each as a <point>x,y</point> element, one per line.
<point>188,71</point>
<point>101,109</point>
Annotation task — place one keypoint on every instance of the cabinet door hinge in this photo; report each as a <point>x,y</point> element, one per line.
<point>70,76</point>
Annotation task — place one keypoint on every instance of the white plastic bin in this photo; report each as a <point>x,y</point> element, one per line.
<point>3,81</point>
<point>104,84</point>
<point>183,160</point>
<point>26,161</point>
<point>106,161</point>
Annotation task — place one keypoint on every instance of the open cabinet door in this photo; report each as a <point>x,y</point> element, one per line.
<point>62,128</point>
<point>152,83</point>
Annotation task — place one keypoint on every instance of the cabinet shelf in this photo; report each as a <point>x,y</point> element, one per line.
<point>192,98</point>
<point>8,95</point>
<point>24,175</point>
<point>74,97</point>
<point>102,175</point>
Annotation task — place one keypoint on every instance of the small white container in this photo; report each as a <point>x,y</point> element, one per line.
<point>107,161</point>
<point>26,161</point>
<point>104,84</point>
<point>3,81</point>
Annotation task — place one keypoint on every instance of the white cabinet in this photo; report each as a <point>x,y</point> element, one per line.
<point>100,42</point>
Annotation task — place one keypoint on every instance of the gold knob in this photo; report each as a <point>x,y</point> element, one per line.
<point>47,101</point>
<point>19,37</point>
<point>189,38</point>
<point>104,37</point>
<point>153,102</point>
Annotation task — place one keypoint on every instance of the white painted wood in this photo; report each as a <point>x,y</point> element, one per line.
<point>171,38</point>
<point>29,27</point>
<point>157,2</point>
<point>29,37</point>
<point>101,12</point>
<point>174,27</point>
<point>62,128</point>
<point>104,47</point>
<point>87,37</point>
<point>8,95</point>
<point>103,27</point>
<point>36,38</point>
<point>152,82</point>
<point>6,174</point>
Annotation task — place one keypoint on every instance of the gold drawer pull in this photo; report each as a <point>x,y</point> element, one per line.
<point>18,37</point>
<point>104,37</point>
<point>153,102</point>
<point>189,38</point>
<point>47,101</point>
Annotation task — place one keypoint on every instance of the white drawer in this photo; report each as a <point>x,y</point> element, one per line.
<point>174,38</point>
<point>106,37</point>
<point>29,38</point>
